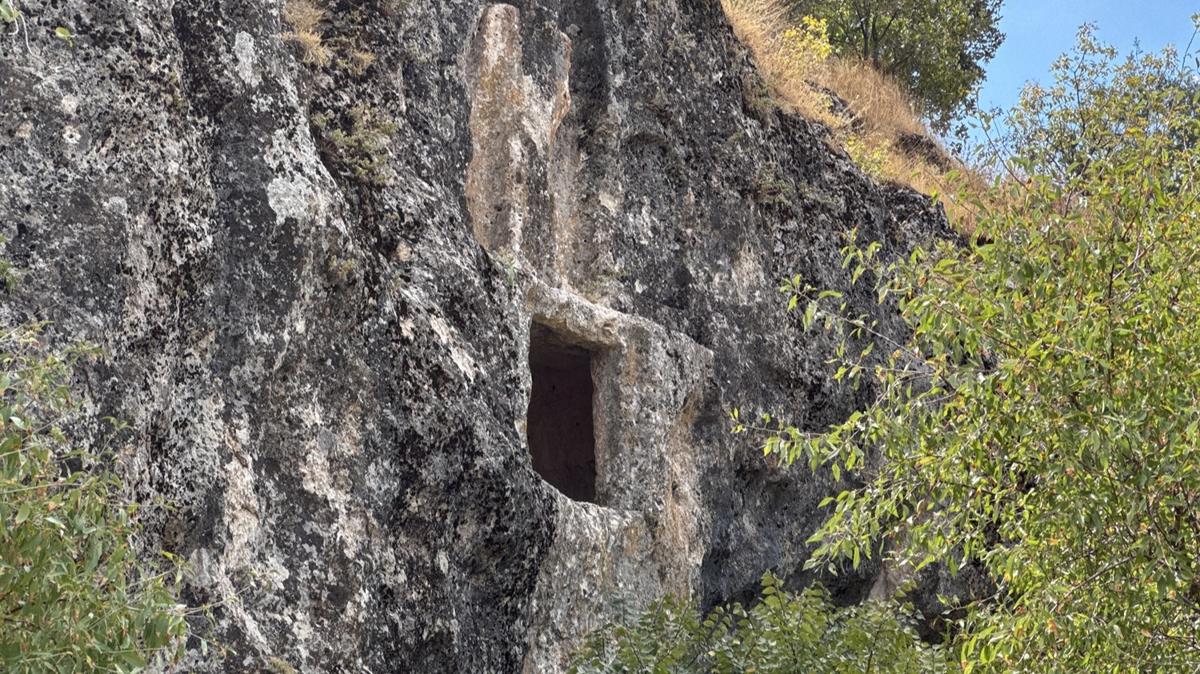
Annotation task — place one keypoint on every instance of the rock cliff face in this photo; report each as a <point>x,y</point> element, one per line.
<point>316,269</point>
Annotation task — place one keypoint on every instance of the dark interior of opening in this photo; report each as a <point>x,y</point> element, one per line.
<point>559,422</point>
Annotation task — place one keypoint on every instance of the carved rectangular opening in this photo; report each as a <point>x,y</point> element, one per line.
<point>559,428</point>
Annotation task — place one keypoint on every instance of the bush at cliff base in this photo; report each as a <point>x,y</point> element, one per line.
<point>783,632</point>
<point>72,596</point>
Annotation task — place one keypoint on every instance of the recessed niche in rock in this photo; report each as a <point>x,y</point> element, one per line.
<point>559,422</point>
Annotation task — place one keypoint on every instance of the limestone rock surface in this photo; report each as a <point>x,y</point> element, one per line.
<point>314,273</point>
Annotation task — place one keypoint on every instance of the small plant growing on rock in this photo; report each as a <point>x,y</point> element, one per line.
<point>63,33</point>
<point>770,187</point>
<point>362,149</point>
<point>756,96</point>
<point>305,18</point>
<point>871,157</point>
<point>8,11</point>
<point>343,269</point>
<point>358,61</point>
<point>10,14</point>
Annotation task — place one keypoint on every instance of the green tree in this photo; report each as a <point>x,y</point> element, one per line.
<point>73,598</point>
<point>1043,418</point>
<point>784,632</point>
<point>936,49</point>
<point>1096,109</point>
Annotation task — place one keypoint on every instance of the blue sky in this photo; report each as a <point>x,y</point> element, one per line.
<point>1037,31</point>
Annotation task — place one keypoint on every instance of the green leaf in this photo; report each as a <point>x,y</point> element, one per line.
<point>23,512</point>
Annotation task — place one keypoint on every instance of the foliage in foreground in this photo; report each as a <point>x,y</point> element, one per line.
<point>1043,419</point>
<point>73,598</point>
<point>784,632</point>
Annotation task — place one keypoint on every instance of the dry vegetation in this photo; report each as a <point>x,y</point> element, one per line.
<point>359,61</point>
<point>305,18</point>
<point>880,126</point>
<point>875,100</point>
<point>789,59</point>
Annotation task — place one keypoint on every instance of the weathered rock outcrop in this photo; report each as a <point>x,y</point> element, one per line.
<point>315,281</point>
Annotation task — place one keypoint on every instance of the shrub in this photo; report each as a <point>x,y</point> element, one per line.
<point>73,598</point>
<point>362,148</point>
<point>784,632</point>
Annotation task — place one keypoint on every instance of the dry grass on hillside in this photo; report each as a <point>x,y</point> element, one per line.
<point>876,100</point>
<point>762,25</point>
<point>881,128</point>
